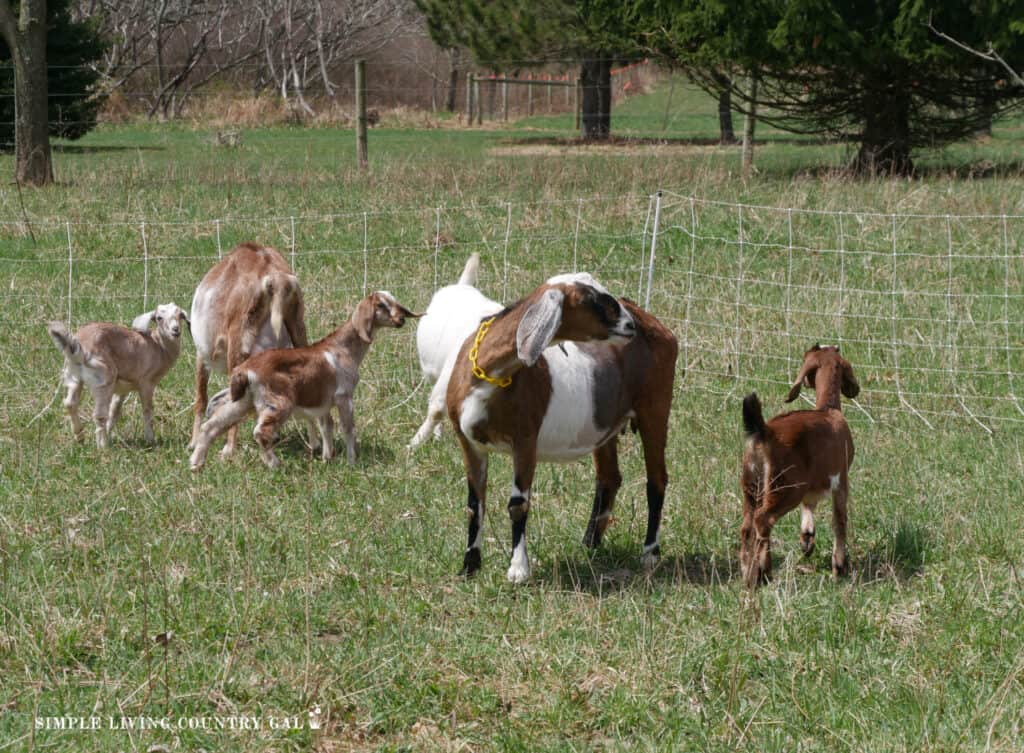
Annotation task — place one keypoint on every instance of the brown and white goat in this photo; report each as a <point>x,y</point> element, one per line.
<point>308,381</point>
<point>113,361</point>
<point>796,459</point>
<point>249,301</point>
<point>561,403</point>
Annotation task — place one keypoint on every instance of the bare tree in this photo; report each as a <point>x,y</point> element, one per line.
<point>26,38</point>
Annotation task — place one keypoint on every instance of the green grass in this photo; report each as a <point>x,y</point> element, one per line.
<point>334,585</point>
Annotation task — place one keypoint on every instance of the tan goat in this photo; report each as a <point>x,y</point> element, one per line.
<point>249,301</point>
<point>113,361</point>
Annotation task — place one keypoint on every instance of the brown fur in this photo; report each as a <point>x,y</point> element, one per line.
<point>635,375</point>
<point>254,285</point>
<point>275,383</point>
<point>789,460</point>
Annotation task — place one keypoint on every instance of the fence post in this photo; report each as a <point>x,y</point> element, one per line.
<point>654,245</point>
<point>529,97</point>
<point>476,100</point>
<point>504,98</point>
<point>469,98</point>
<point>749,121</point>
<point>362,156</point>
<point>578,101</point>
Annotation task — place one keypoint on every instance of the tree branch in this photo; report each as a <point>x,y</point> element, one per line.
<point>991,56</point>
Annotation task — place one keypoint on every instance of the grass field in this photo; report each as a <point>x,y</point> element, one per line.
<point>131,588</point>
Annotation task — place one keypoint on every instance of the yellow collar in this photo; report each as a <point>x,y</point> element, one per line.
<point>474,351</point>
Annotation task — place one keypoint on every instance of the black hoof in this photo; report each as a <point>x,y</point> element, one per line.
<point>807,543</point>
<point>592,539</point>
<point>841,570</point>
<point>470,563</point>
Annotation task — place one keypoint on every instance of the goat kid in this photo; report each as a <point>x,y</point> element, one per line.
<point>454,313</point>
<point>248,302</point>
<point>308,381</point>
<point>113,361</point>
<point>508,394</point>
<point>796,459</point>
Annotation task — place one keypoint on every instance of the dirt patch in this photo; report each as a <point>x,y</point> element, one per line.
<point>582,147</point>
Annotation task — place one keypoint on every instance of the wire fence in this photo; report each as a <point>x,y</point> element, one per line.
<point>928,308</point>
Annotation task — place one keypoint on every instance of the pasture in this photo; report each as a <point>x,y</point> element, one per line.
<point>133,588</point>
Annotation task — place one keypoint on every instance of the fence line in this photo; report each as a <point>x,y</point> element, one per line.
<point>933,323</point>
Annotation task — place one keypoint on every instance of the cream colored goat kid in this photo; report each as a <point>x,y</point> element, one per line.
<point>113,361</point>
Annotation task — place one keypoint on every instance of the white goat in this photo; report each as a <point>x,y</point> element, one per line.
<point>454,313</point>
<point>112,361</point>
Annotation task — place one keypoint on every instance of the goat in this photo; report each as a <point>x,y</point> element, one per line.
<point>796,459</point>
<point>112,361</point>
<point>508,394</point>
<point>454,313</point>
<point>249,301</point>
<point>309,381</point>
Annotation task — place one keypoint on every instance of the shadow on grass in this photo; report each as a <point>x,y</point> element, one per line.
<point>617,568</point>
<point>79,149</point>
<point>368,451</point>
<point>901,555</point>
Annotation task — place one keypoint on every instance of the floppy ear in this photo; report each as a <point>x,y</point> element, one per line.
<point>142,321</point>
<point>849,385</point>
<point>362,319</point>
<point>539,325</point>
<point>805,371</point>
<point>408,314</point>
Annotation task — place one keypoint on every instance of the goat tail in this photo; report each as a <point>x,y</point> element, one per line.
<point>753,418</point>
<point>239,384</point>
<point>66,342</point>
<point>281,289</point>
<point>471,271</point>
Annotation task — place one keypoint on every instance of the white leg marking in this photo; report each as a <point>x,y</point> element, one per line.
<point>519,570</point>
<point>649,558</point>
<point>806,518</point>
<point>834,481</point>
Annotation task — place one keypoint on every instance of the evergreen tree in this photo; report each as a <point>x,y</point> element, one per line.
<point>73,100</point>
<point>868,72</point>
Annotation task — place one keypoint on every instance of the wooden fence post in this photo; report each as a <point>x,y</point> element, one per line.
<point>476,100</point>
<point>362,156</point>
<point>469,98</point>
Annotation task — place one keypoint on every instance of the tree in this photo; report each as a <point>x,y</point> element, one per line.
<point>521,33</point>
<point>25,36</point>
<point>867,72</point>
<point>74,100</point>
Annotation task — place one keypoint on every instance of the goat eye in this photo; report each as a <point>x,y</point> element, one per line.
<point>159,318</point>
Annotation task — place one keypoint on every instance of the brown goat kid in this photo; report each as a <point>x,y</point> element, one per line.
<point>249,301</point>
<point>796,459</point>
<point>309,381</point>
<point>511,393</point>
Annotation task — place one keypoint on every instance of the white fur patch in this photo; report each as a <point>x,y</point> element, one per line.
<point>519,570</point>
<point>517,492</point>
<point>833,481</point>
<point>569,429</point>
<point>331,360</point>
<point>577,278</point>
<point>474,412</point>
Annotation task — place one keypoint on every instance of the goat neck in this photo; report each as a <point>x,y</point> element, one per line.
<point>345,343</point>
<point>827,387</point>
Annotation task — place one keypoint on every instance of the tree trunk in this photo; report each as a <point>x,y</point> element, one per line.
<point>885,140</point>
<point>26,39</point>
<point>596,82</point>
<point>725,130</point>
<point>453,79</point>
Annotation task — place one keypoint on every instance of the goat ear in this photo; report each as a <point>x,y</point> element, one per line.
<point>409,314</point>
<point>142,321</point>
<point>849,385</point>
<point>538,326</point>
<point>801,379</point>
<point>362,319</point>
